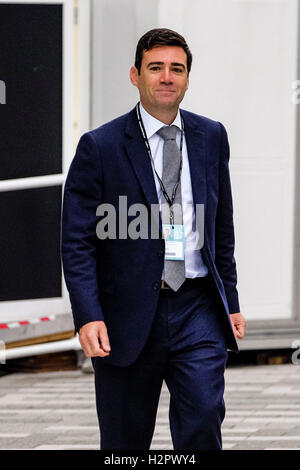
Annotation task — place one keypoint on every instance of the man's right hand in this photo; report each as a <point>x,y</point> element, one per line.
<point>94,340</point>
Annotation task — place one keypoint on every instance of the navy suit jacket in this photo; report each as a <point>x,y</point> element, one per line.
<point>118,280</point>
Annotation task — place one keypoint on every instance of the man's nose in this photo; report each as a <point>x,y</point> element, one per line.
<point>166,75</point>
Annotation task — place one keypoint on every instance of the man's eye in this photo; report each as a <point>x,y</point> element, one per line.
<point>178,70</point>
<point>155,68</point>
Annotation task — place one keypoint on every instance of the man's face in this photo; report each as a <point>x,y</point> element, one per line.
<point>163,78</point>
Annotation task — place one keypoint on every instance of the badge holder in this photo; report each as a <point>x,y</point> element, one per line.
<point>174,242</point>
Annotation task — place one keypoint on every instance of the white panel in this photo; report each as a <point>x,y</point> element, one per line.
<point>171,15</point>
<point>245,61</point>
<point>114,40</point>
<point>117,25</point>
<point>264,274</point>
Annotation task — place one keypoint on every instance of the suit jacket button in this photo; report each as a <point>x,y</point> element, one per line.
<point>156,285</point>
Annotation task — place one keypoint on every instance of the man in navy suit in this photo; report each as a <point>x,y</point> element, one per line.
<point>150,308</point>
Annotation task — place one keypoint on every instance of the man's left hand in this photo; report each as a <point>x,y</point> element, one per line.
<point>238,323</point>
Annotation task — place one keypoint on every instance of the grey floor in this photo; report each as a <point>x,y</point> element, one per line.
<point>57,410</point>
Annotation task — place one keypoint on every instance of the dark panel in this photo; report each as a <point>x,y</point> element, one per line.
<point>30,266</point>
<point>31,67</point>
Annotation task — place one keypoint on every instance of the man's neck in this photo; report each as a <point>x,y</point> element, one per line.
<point>167,116</point>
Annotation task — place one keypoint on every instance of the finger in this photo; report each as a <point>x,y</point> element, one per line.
<point>240,328</point>
<point>91,346</point>
<point>97,351</point>
<point>84,346</point>
<point>95,347</point>
<point>104,340</point>
<point>101,353</point>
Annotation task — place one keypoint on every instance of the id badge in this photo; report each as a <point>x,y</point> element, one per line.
<point>174,242</point>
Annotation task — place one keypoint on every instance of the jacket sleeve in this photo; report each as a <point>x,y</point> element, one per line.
<point>225,261</point>
<point>82,195</point>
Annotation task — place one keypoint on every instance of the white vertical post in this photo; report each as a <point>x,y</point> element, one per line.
<point>84,64</point>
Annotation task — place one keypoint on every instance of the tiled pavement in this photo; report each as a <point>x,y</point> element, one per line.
<point>57,410</point>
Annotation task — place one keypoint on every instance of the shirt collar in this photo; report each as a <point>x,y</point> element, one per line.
<point>152,125</point>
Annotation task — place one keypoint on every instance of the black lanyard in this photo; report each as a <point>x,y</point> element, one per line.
<point>168,199</point>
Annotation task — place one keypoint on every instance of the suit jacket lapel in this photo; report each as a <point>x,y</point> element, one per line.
<point>195,141</point>
<point>139,158</point>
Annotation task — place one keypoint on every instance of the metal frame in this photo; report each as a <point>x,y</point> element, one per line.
<point>84,58</point>
<point>71,344</point>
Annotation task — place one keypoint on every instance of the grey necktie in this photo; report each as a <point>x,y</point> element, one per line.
<point>174,271</point>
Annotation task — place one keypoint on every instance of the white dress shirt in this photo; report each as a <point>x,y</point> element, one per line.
<point>194,265</point>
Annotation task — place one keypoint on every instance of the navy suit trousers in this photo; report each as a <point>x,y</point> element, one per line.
<point>186,348</point>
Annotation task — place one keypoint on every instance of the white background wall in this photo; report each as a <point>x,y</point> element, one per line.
<point>245,60</point>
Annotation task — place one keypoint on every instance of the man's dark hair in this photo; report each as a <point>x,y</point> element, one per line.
<point>160,37</point>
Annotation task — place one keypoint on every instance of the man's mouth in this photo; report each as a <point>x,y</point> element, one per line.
<point>166,91</point>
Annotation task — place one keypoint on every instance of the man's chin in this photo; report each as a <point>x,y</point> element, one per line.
<point>167,103</point>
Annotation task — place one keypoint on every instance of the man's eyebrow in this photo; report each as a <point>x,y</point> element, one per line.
<point>154,63</point>
<point>178,64</point>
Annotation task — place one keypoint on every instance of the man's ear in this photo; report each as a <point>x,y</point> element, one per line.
<point>133,76</point>
<point>188,82</point>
